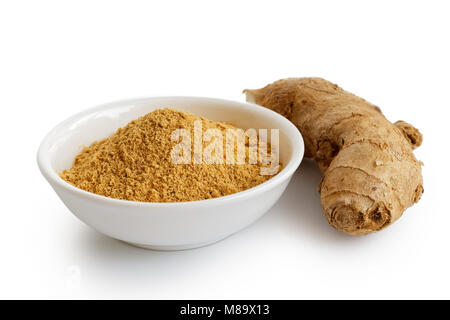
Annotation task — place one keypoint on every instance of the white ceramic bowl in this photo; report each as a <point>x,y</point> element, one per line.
<point>166,226</point>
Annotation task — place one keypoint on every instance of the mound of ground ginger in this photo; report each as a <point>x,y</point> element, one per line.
<point>135,164</point>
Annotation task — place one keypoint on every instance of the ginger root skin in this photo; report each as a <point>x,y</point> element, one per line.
<point>370,174</point>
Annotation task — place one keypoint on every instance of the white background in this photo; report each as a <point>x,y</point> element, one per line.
<point>60,57</point>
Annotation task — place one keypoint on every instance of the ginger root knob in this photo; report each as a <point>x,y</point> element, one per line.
<point>370,174</point>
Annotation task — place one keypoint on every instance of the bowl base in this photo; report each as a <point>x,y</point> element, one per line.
<point>172,248</point>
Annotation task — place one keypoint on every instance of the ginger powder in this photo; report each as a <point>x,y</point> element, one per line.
<point>137,162</point>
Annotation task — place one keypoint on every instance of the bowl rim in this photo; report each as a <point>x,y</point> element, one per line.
<point>292,133</point>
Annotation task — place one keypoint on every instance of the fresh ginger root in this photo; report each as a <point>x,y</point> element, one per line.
<point>370,174</point>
